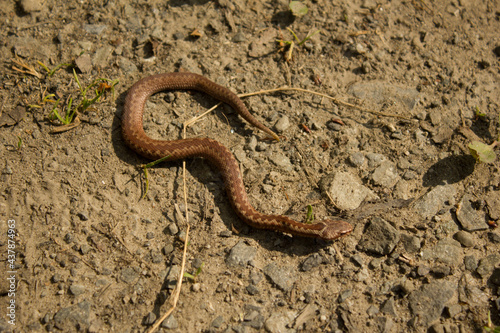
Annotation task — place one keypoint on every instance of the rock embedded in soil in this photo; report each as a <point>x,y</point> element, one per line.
<point>280,322</point>
<point>470,263</point>
<point>469,292</point>
<point>470,219</point>
<point>487,265</point>
<point>240,255</point>
<point>385,175</point>
<point>128,275</point>
<point>77,289</point>
<point>282,124</point>
<point>30,6</point>
<point>346,190</point>
<point>380,237</point>
<point>429,204</point>
<point>280,276</point>
<point>73,318</point>
<point>428,302</point>
<point>380,92</point>
<point>312,261</point>
<point>464,238</point>
<point>446,250</point>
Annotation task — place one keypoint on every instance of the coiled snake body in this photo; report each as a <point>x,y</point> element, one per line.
<point>219,155</point>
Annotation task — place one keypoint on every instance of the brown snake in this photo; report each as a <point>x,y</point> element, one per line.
<point>219,155</point>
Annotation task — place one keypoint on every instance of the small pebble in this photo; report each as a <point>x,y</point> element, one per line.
<point>173,229</point>
<point>167,249</point>
<point>282,124</point>
<point>357,159</point>
<point>464,238</point>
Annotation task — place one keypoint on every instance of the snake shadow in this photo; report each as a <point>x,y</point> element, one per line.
<point>299,246</point>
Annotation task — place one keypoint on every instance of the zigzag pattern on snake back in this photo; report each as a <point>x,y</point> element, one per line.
<point>220,156</point>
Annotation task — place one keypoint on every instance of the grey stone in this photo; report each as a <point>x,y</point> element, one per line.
<point>73,318</point>
<point>470,263</point>
<point>252,143</point>
<point>128,275</point>
<point>446,250</point>
<point>101,56</point>
<point>380,92</point>
<point>495,277</point>
<point>372,310</point>
<point>127,66</point>
<point>388,307</point>
<point>83,215</point>
<point>217,322</point>
<point>282,124</point>
<point>493,202</point>
<point>374,159</point>
<point>357,159</point>
<point>95,29</point>
<point>77,289</point>
<point>167,249</point>
<point>84,63</point>
<point>312,261</point>
<point>469,293</point>
<point>385,175</point>
<point>252,290</point>
<point>453,310</point>
<point>441,271</point>
<point>346,190</point>
<point>380,237</point>
<point>256,277</point>
<point>173,229</point>
<point>423,270</point>
<point>150,319</point>
<point>357,260</point>
<point>345,294</point>
<point>470,218</point>
<point>410,243</point>
<point>464,238</point>
<point>281,277</point>
<point>429,204</point>
<point>428,302</point>
<point>487,264</point>
<point>253,317</point>
<point>170,323</point>
<point>494,237</point>
<point>281,160</point>
<point>280,322</point>
<point>30,6</point>
<point>240,255</point>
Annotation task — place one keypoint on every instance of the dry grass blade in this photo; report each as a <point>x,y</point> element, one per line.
<point>335,100</point>
<point>177,290</point>
<point>261,92</point>
<point>25,68</point>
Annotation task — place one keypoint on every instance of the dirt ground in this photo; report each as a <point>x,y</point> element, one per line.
<point>83,251</point>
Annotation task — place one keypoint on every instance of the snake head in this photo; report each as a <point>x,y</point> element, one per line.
<point>334,229</point>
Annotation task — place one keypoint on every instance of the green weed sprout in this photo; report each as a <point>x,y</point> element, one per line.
<point>309,215</point>
<point>193,276</point>
<point>70,113</point>
<point>291,43</point>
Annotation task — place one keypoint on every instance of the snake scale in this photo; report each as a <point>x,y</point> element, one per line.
<point>211,150</point>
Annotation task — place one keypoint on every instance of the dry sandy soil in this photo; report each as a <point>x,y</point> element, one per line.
<point>88,254</point>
